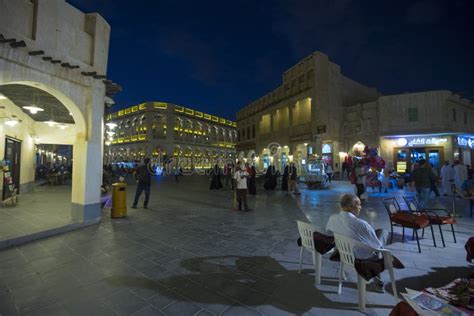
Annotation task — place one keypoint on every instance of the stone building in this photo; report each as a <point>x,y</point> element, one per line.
<point>317,111</point>
<point>53,62</point>
<point>301,116</point>
<point>162,131</point>
<point>434,125</point>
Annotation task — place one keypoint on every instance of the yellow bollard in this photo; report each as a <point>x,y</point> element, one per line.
<point>119,200</point>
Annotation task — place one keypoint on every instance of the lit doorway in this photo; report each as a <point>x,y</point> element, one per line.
<point>11,176</point>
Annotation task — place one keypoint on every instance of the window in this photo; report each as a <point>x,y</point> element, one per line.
<point>243,133</point>
<point>465,118</point>
<point>412,114</point>
<point>238,136</point>
<point>248,132</point>
<point>454,115</point>
<point>253,131</point>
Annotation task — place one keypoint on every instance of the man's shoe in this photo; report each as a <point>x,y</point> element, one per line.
<point>134,206</point>
<point>376,286</point>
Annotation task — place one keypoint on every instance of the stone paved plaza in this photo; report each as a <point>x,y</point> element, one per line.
<point>188,254</point>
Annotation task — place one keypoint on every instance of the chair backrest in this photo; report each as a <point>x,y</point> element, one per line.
<point>391,205</point>
<point>345,246</point>
<point>412,203</point>
<point>306,233</point>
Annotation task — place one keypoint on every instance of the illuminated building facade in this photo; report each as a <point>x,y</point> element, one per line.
<point>302,118</point>
<point>433,125</point>
<point>317,112</point>
<point>162,131</point>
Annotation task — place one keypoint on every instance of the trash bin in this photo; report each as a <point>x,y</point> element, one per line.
<point>119,200</point>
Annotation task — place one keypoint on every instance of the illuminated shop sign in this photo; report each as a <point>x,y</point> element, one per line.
<point>326,149</point>
<point>466,141</point>
<point>420,141</point>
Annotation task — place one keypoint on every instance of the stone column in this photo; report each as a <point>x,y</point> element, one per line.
<point>87,163</point>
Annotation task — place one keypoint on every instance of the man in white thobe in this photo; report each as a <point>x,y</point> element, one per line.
<point>347,223</point>
<point>446,178</point>
<point>459,174</point>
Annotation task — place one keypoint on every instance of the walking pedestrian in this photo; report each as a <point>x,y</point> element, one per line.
<point>215,178</point>
<point>284,180</point>
<point>422,179</point>
<point>434,186</point>
<point>251,180</point>
<point>446,178</point>
<point>293,179</point>
<point>459,175</point>
<point>143,178</point>
<point>329,173</point>
<point>360,174</point>
<point>241,176</point>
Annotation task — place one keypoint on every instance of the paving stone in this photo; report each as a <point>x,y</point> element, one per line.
<point>125,302</point>
<point>148,311</point>
<point>181,308</point>
<point>187,253</point>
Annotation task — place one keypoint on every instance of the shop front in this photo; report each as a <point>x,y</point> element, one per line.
<point>402,152</point>
<point>465,149</point>
<point>327,154</point>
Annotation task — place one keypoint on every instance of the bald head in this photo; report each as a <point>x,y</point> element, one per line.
<point>350,203</point>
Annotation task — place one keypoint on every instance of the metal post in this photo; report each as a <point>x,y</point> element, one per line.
<point>453,190</point>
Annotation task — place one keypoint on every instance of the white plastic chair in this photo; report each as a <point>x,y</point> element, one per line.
<point>346,246</point>
<point>307,242</point>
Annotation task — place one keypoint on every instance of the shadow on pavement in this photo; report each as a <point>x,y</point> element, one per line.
<point>253,281</point>
<point>441,276</point>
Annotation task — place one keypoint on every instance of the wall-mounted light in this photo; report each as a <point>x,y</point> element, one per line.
<point>2,97</point>
<point>33,109</point>
<point>111,125</point>
<point>12,121</point>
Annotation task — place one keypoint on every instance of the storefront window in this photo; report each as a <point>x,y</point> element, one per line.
<point>433,158</point>
<point>417,154</point>
<point>266,161</point>
<point>283,161</point>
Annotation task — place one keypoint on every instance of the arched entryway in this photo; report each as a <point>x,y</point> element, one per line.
<point>46,116</point>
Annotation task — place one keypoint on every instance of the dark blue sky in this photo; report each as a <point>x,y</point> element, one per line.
<point>217,56</point>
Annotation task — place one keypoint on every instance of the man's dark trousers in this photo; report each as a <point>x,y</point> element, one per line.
<point>140,189</point>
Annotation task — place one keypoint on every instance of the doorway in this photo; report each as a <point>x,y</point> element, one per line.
<point>11,177</point>
<point>405,158</point>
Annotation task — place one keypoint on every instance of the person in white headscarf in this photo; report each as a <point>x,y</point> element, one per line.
<point>446,178</point>
<point>459,174</point>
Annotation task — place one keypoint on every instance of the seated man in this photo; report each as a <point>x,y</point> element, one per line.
<point>349,225</point>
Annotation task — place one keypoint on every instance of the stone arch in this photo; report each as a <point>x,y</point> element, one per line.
<point>68,103</point>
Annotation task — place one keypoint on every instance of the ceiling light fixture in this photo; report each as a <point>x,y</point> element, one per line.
<point>51,123</point>
<point>33,109</point>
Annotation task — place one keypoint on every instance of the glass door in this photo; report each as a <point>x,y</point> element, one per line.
<point>416,154</point>
<point>434,158</point>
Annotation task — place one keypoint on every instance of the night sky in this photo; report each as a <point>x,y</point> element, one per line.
<point>217,56</point>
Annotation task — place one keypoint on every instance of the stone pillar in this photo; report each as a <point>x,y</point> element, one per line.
<point>87,164</point>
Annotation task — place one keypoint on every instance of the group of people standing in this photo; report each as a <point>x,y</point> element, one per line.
<point>289,181</point>
<point>224,178</point>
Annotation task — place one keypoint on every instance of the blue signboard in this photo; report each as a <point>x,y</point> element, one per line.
<point>466,141</point>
